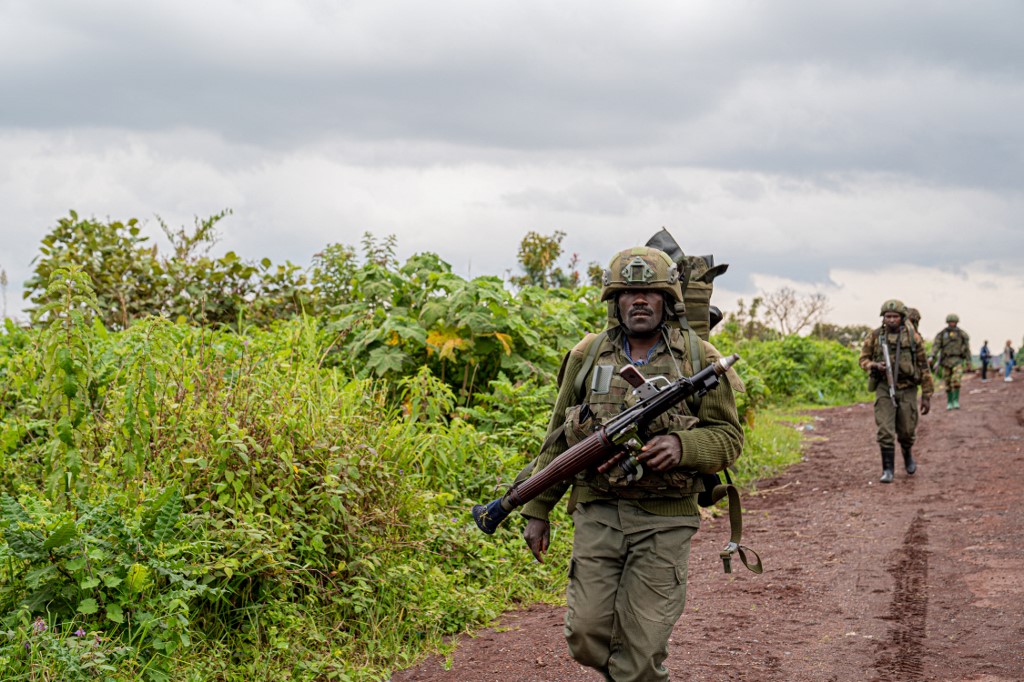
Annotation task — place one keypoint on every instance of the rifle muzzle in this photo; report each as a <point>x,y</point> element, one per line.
<point>489,517</point>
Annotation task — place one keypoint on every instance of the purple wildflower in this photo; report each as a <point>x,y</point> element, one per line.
<point>79,632</point>
<point>39,625</point>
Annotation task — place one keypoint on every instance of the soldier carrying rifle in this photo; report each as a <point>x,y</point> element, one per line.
<point>895,358</point>
<point>627,579</point>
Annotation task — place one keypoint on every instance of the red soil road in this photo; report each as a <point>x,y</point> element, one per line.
<point>922,579</point>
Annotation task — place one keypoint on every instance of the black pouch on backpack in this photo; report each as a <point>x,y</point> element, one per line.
<point>705,499</point>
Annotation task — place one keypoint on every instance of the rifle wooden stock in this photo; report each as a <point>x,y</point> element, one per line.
<point>607,441</point>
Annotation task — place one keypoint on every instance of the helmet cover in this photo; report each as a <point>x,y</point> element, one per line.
<point>641,267</point>
<point>894,306</point>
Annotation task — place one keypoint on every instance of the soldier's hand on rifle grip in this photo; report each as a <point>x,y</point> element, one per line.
<point>926,404</point>
<point>538,537</point>
<point>662,453</point>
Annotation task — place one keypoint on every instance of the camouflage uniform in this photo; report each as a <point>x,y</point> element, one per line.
<point>951,355</point>
<point>914,315</point>
<point>910,368</point>
<point>627,578</point>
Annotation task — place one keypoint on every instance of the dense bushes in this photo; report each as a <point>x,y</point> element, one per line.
<point>796,370</point>
<point>290,499</point>
<point>225,492</point>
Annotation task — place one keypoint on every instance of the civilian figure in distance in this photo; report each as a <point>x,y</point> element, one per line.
<point>951,355</point>
<point>895,353</point>
<point>985,356</point>
<point>631,543</point>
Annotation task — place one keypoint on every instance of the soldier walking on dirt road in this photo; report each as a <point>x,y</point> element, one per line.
<point>951,355</point>
<point>631,544</point>
<point>894,356</point>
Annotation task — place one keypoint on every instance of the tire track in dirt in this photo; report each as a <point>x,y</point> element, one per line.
<point>845,596</point>
<point>901,657</point>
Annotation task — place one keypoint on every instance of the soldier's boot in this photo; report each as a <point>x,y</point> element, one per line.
<point>956,398</point>
<point>888,463</point>
<point>949,400</point>
<point>908,460</point>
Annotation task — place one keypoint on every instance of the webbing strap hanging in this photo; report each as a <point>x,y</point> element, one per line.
<point>735,529</point>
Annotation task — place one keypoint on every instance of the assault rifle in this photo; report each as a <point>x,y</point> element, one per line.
<point>623,433</point>
<point>889,375</point>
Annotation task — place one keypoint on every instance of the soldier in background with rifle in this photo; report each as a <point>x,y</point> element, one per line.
<point>627,579</point>
<point>951,356</point>
<point>895,358</point>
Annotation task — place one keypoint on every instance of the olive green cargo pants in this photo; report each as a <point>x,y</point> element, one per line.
<point>899,422</point>
<point>627,587</point>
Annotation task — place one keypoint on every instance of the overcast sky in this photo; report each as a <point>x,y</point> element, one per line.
<point>864,150</point>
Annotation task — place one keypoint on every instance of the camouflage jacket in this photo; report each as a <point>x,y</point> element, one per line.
<point>911,367</point>
<point>952,347</point>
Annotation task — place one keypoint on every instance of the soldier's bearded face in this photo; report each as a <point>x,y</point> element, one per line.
<point>641,311</point>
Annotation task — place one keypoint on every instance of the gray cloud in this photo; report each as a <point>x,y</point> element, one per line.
<point>788,138</point>
<point>929,89</point>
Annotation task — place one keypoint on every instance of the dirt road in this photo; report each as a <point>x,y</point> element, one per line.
<point>922,579</point>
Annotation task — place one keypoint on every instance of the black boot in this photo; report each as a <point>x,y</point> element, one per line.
<point>888,464</point>
<point>908,460</point>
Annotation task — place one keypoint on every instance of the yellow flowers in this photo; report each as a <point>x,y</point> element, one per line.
<point>445,343</point>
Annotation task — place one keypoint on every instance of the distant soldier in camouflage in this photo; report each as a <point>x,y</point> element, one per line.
<point>951,355</point>
<point>914,315</point>
<point>896,411</point>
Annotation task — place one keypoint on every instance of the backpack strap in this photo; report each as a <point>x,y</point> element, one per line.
<point>588,362</point>
<point>697,359</point>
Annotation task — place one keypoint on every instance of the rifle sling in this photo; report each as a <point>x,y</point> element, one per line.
<point>735,529</point>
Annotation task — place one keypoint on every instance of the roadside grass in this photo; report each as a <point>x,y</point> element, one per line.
<point>181,503</point>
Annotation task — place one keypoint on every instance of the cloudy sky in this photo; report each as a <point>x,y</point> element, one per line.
<point>864,150</point>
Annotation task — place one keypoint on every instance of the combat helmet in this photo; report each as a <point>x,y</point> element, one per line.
<point>952,317</point>
<point>914,315</point>
<point>641,267</point>
<point>894,306</point>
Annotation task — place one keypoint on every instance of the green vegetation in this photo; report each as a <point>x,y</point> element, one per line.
<point>270,476</point>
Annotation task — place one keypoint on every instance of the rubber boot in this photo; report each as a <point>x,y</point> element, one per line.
<point>908,461</point>
<point>888,464</point>
<point>956,398</point>
<point>949,400</point>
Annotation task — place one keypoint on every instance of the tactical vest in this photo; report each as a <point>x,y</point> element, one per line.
<point>606,392</point>
<point>951,345</point>
<point>906,369</point>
